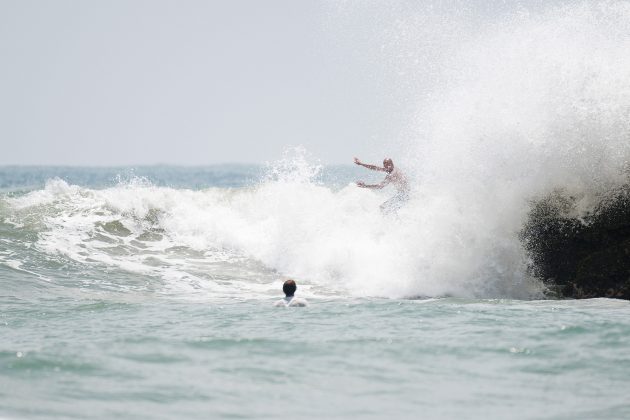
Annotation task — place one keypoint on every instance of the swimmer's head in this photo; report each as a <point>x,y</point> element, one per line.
<point>388,164</point>
<point>289,287</point>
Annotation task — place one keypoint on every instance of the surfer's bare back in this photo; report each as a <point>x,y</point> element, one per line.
<point>394,176</point>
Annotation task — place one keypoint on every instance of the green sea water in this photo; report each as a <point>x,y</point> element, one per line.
<point>113,306</point>
<point>371,358</point>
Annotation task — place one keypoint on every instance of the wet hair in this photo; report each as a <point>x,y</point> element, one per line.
<point>289,287</point>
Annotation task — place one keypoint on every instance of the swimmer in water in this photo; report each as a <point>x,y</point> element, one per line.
<point>394,176</point>
<point>289,287</point>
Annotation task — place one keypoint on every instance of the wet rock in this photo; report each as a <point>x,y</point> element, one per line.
<point>581,257</point>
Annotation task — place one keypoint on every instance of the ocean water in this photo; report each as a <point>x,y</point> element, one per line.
<point>148,293</point>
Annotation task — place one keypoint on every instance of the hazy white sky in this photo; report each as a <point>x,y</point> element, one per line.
<point>116,82</point>
<point>184,82</point>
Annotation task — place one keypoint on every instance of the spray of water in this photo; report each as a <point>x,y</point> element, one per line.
<point>508,109</point>
<point>511,104</point>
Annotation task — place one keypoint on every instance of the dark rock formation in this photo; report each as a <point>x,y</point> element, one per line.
<point>581,257</point>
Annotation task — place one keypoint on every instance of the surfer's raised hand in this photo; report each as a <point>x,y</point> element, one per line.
<point>371,167</point>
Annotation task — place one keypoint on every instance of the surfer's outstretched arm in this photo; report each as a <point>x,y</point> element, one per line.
<point>373,186</point>
<point>372,167</point>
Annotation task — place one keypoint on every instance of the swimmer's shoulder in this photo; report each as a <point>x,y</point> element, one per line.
<point>298,302</point>
<point>293,302</point>
<point>281,302</point>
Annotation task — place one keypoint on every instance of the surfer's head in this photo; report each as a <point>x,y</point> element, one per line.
<point>289,287</point>
<point>388,164</point>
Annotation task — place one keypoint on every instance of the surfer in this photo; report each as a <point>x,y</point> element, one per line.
<point>394,176</point>
<point>289,287</point>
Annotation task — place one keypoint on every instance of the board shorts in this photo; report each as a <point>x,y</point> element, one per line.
<point>395,203</point>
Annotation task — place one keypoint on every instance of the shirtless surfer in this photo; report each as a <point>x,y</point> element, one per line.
<point>289,287</point>
<point>394,176</point>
